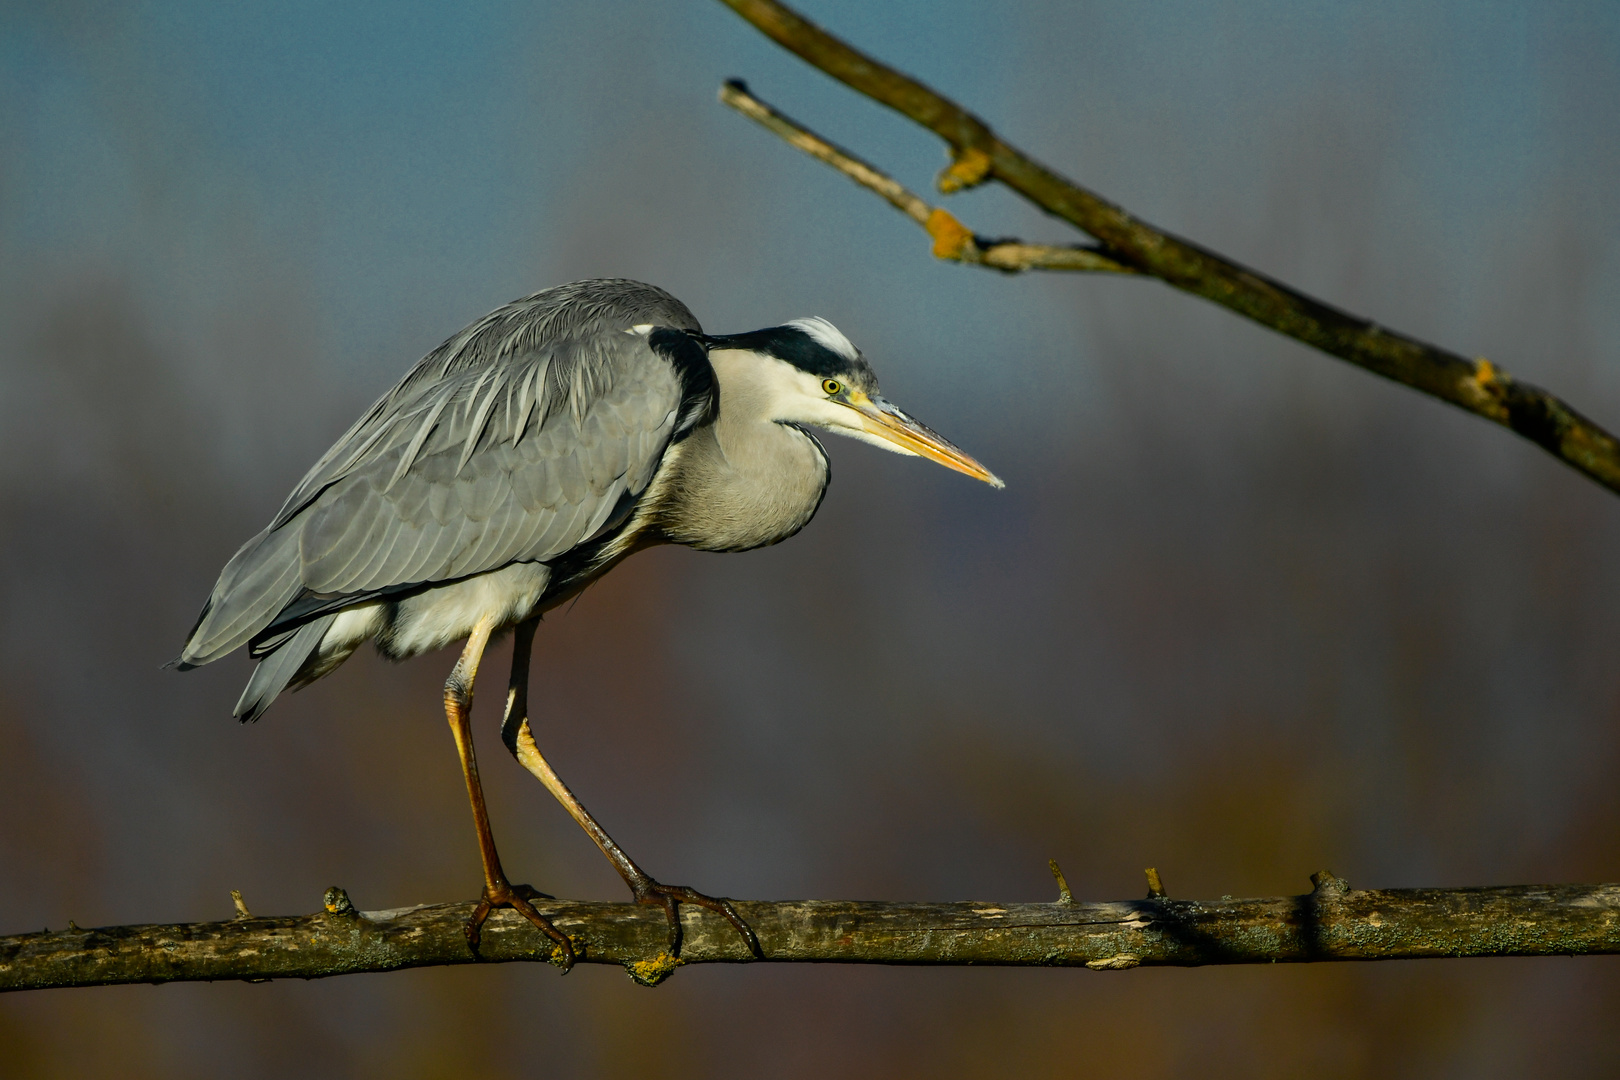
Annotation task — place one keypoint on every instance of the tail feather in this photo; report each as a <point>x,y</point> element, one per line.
<point>260,580</point>
<point>279,668</point>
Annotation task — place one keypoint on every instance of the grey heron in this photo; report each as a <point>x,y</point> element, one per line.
<point>518,462</point>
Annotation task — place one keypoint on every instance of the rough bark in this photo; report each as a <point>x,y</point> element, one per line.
<point>1333,922</point>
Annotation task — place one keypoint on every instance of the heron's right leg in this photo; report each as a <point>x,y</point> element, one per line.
<point>498,892</point>
<point>519,739</point>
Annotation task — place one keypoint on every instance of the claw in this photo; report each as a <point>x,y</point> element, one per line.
<point>519,739</point>
<point>517,898</point>
<point>669,896</point>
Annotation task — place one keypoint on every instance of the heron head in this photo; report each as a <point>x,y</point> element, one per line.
<point>809,373</point>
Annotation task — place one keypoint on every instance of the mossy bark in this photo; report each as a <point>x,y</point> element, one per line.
<point>1333,922</point>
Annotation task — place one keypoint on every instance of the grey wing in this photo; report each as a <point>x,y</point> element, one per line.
<point>519,458</point>
<point>479,490</point>
<point>553,324</point>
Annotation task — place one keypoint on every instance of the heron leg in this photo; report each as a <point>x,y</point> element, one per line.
<point>498,892</point>
<point>519,739</point>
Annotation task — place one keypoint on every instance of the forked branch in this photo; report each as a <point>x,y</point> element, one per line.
<point>979,155</point>
<point>952,239</point>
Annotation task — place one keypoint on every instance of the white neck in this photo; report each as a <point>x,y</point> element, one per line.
<point>750,478</point>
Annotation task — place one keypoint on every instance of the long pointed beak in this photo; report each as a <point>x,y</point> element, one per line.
<point>888,422</point>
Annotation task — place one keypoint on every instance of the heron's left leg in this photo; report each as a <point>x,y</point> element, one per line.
<point>498,892</point>
<point>519,739</point>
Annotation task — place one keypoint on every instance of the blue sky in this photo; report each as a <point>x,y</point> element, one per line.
<point>393,159</point>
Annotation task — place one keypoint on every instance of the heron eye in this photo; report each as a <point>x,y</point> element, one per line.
<point>832,386</point>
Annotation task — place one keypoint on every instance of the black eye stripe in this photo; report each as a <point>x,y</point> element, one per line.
<point>794,346</point>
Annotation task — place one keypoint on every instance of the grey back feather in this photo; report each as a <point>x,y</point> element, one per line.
<point>515,440</point>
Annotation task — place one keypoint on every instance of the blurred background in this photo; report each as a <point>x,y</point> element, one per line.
<point>1242,613</point>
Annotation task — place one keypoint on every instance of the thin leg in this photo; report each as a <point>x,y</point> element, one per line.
<point>519,739</point>
<point>498,892</point>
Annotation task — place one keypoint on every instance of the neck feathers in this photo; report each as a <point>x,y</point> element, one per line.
<point>744,480</point>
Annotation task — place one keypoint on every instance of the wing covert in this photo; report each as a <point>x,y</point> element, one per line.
<point>424,508</point>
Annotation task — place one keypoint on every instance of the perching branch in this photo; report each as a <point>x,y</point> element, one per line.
<point>1478,386</point>
<point>1333,922</point>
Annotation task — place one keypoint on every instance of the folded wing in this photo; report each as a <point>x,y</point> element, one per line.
<point>517,440</point>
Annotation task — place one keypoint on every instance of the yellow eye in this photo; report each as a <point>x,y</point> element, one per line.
<point>832,386</point>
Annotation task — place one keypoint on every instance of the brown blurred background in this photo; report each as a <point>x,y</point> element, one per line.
<point>1241,614</point>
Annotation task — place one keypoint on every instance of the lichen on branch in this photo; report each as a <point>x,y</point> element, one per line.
<point>1332,922</point>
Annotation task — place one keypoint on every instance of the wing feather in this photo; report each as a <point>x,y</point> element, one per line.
<point>528,397</point>
<point>378,558</point>
<point>514,441</point>
<point>423,431</point>
<point>413,547</point>
<point>480,418</point>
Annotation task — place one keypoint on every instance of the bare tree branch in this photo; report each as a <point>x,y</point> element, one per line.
<point>1333,922</point>
<point>952,239</point>
<point>1478,386</point>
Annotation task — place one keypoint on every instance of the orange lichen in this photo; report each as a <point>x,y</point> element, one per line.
<point>951,237</point>
<point>969,168</point>
<point>652,971</point>
<point>1490,386</point>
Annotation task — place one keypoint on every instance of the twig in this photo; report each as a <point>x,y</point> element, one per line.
<point>952,239</point>
<point>1478,386</point>
<point>1064,895</point>
<point>1333,922</point>
<point>1155,886</point>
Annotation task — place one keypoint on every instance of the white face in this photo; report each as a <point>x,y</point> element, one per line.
<point>765,388</point>
<point>757,387</point>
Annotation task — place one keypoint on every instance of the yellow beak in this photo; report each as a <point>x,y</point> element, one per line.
<point>887,422</point>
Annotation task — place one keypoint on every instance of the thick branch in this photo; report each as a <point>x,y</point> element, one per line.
<point>1331,923</point>
<point>1475,385</point>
